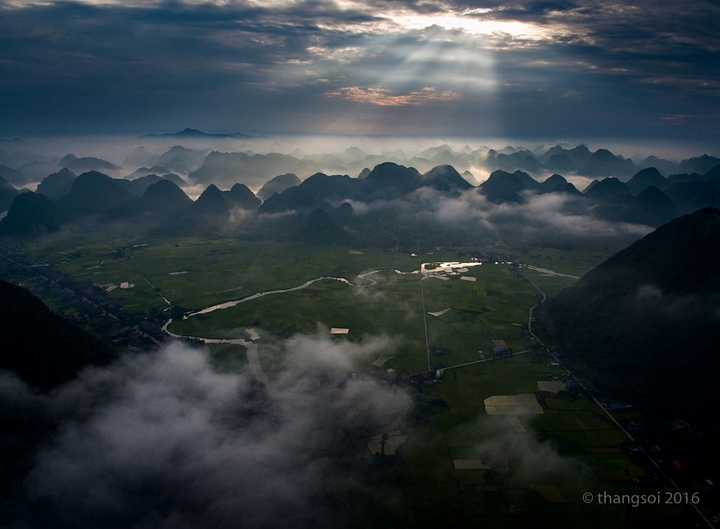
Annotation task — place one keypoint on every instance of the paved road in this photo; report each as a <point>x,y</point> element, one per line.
<point>608,414</point>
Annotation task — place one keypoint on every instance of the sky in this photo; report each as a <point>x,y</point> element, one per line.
<point>519,69</point>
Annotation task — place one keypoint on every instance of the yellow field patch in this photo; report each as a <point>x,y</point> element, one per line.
<point>521,404</point>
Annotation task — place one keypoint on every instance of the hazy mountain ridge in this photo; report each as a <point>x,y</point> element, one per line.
<point>251,169</point>
<point>7,194</point>
<point>195,133</point>
<point>115,199</point>
<point>277,185</point>
<point>240,158</point>
<point>390,195</point>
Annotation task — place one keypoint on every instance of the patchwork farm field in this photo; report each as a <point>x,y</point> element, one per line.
<point>459,465</point>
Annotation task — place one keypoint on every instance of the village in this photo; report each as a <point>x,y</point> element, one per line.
<point>88,305</point>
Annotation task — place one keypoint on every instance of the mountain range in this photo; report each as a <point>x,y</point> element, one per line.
<point>201,165</point>
<point>198,134</point>
<point>158,202</point>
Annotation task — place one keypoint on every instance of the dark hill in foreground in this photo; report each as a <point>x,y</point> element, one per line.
<point>646,322</point>
<point>38,345</point>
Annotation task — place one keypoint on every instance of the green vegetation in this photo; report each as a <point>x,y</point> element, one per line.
<point>41,347</point>
<point>195,272</point>
<point>572,262</point>
<point>573,437</point>
<point>549,284</point>
<point>229,356</point>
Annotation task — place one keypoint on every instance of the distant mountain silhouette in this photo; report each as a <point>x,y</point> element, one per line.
<point>212,202</point>
<point>145,171</point>
<point>7,194</point>
<point>502,186</point>
<point>137,186</point>
<point>577,155</point>
<point>607,189</point>
<point>42,348</point>
<point>319,228</point>
<point>645,178</point>
<point>353,154</point>
<point>557,184</point>
<point>205,216</point>
<point>313,192</point>
<point>713,175</point>
<point>139,157</point>
<point>13,176</point>
<point>95,193</point>
<point>164,199</point>
<point>198,134</point>
<point>343,213</point>
<point>31,214</point>
<point>329,162</point>
<point>241,196</point>
<point>37,170</point>
<point>698,164</point>
<point>438,150</point>
<point>693,195</point>
<point>57,184</point>
<point>604,163</point>
<point>254,170</point>
<point>647,198</point>
<point>653,208</point>
<point>363,174</point>
<point>524,160</point>
<point>389,180</point>
<point>692,191</point>
<point>613,201</point>
<point>560,162</point>
<point>181,159</point>
<point>644,323</point>
<point>665,167</point>
<point>83,165</point>
<point>278,184</point>
<point>580,160</point>
<point>444,157</point>
<point>445,178</point>
<point>470,178</point>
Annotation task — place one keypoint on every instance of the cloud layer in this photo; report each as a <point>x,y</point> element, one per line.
<point>166,440</point>
<point>540,217</point>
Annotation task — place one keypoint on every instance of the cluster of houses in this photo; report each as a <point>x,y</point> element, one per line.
<point>90,303</point>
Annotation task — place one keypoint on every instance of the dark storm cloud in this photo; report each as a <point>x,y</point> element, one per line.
<point>516,67</point>
<point>647,39</point>
<point>86,63</point>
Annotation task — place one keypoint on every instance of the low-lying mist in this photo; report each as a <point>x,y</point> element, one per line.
<point>169,440</point>
<point>165,439</point>
<point>39,156</point>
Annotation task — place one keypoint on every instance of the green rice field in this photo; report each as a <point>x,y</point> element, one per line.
<point>529,463</point>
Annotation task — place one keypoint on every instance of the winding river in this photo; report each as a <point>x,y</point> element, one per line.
<point>251,345</point>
